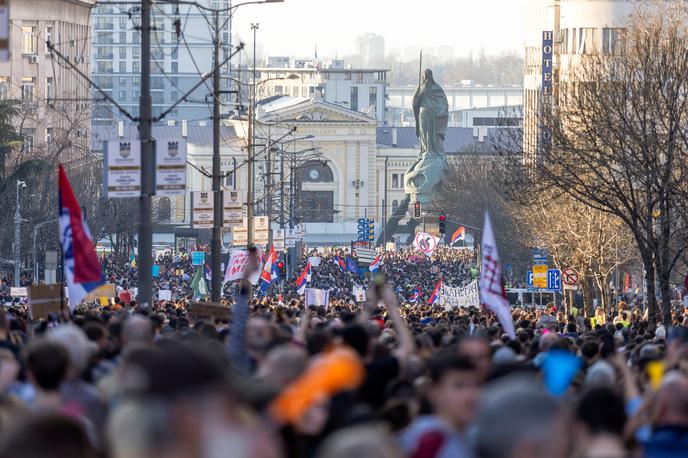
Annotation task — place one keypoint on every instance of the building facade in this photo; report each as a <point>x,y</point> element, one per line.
<point>181,50</point>
<point>54,109</point>
<point>370,49</point>
<point>358,90</point>
<point>560,33</point>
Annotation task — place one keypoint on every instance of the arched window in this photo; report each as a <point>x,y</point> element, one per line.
<point>164,209</point>
<point>316,172</point>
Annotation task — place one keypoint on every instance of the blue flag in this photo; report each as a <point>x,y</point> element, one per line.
<point>559,368</point>
<point>352,266</point>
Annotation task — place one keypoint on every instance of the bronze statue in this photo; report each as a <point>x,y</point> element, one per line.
<point>431,111</point>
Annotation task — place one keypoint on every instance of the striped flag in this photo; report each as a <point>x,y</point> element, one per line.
<point>375,265</point>
<point>434,297</point>
<point>341,263</point>
<point>415,295</point>
<point>459,234</point>
<point>266,273</point>
<point>303,279</point>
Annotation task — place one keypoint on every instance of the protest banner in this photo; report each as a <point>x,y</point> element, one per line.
<point>317,297</point>
<point>209,310</point>
<point>238,260</point>
<point>45,300</point>
<point>453,297</point>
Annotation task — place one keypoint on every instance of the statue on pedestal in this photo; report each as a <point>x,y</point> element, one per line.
<point>431,111</point>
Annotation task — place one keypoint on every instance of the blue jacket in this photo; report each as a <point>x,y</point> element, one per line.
<point>667,442</point>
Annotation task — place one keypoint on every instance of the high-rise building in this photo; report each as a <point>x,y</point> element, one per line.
<point>181,50</point>
<point>370,49</point>
<point>54,108</point>
<point>559,32</point>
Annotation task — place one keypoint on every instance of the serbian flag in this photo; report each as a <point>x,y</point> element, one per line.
<point>415,296</point>
<point>303,280</point>
<point>435,293</point>
<point>341,263</point>
<point>266,272</point>
<point>81,267</point>
<point>375,265</point>
<point>460,234</point>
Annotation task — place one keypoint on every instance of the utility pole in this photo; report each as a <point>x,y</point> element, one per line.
<point>268,187</point>
<point>145,265</point>
<point>251,146</point>
<point>216,244</point>
<point>17,237</point>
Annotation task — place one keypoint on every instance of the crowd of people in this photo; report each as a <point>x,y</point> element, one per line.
<point>382,378</point>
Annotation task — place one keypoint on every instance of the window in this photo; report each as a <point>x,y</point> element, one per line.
<point>104,38</point>
<point>122,23</point>
<point>48,38</point>
<point>588,41</point>
<point>136,53</point>
<point>49,88</point>
<point>123,37</point>
<point>354,98</point>
<point>136,67</point>
<point>373,96</point>
<point>157,83</point>
<point>27,89</point>
<point>136,81</point>
<point>4,87</point>
<point>135,95</point>
<point>136,37</point>
<point>175,53</point>
<point>123,66</point>
<point>397,180</point>
<point>174,67</point>
<point>229,179</point>
<point>174,96</point>
<point>122,81</point>
<point>27,139</point>
<point>122,52</point>
<point>48,134</point>
<point>104,23</point>
<point>28,39</point>
<point>104,66</point>
<point>158,97</point>
<point>122,96</point>
<point>613,41</point>
<point>104,52</point>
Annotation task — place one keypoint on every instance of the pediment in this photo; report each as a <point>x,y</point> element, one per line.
<point>318,111</point>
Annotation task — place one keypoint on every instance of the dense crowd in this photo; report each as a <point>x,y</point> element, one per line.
<point>383,379</point>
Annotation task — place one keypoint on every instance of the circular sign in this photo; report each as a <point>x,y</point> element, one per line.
<point>426,243</point>
<point>569,276</point>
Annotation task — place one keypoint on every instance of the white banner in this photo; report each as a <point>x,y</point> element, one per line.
<point>202,202</point>
<point>122,171</point>
<point>233,208</point>
<point>468,296</point>
<point>314,260</point>
<point>165,295</point>
<point>425,242</point>
<point>359,294</point>
<point>238,260</point>
<point>170,167</point>
<point>318,297</point>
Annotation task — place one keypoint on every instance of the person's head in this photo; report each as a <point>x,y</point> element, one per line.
<point>590,349</point>
<point>137,329</point>
<point>358,442</point>
<point>454,388</point>
<point>529,422</point>
<point>283,364</point>
<point>259,334</point>
<point>44,435</point>
<point>671,403</point>
<point>601,411</point>
<point>79,348</point>
<point>47,363</point>
<point>427,75</point>
<point>477,349</point>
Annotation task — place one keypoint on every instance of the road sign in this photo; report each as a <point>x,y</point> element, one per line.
<point>365,255</point>
<point>539,256</point>
<point>540,276</point>
<point>569,277</point>
<point>554,279</point>
<point>529,279</point>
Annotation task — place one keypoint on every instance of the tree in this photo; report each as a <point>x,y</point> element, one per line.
<point>619,140</point>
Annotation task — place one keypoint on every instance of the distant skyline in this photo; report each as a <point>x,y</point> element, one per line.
<point>296,27</point>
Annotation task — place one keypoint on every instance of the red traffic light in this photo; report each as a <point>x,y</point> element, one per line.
<point>280,265</point>
<point>442,217</point>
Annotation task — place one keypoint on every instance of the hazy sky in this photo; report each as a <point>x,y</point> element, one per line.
<point>295,27</point>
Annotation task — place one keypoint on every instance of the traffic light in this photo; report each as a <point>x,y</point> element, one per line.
<point>416,210</point>
<point>443,223</point>
<point>371,230</point>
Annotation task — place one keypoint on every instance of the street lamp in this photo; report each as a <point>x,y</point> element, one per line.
<point>17,234</point>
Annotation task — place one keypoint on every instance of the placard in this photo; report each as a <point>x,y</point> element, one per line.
<point>18,291</point>
<point>233,208</point>
<point>208,310</point>
<point>122,170</point>
<point>468,296</point>
<point>170,167</point>
<point>106,290</point>
<point>165,295</point>
<point>238,260</point>
<point>44,300</point>
<point>202,204</point>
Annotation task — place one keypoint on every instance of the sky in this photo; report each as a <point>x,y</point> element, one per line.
<point>296,27</point>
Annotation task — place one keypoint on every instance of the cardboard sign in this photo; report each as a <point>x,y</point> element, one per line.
<point>209,310</point>
<point>106,290</point>
<point>44,300</point>
<point>165,295</point>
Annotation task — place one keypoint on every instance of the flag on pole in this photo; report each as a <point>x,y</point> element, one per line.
<point>341,263</point>
<point>132,258</point>
<point>199,284</point>
<point>375,265</point>
<point>303,280</point>
<point>352,266</point>
<point>81,266</point>
<point>266,273</point>
<point>491,283</point>
<point>435,293</point>
<point>459,234</point>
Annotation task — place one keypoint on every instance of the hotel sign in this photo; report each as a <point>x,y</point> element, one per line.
<point>547,53</point>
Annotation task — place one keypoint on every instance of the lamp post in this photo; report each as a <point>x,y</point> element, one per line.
<point>17,235</point>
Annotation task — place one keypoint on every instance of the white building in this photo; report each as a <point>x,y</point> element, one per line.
<point>565,30</point>
<point>359,90</point>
